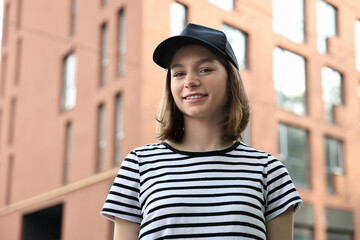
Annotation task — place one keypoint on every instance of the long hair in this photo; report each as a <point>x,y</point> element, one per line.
<point>237,109</point>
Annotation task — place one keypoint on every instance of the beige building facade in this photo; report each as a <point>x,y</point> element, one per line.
<point>79,90</point>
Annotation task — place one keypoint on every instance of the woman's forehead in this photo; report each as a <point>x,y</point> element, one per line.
<point>192,52</point>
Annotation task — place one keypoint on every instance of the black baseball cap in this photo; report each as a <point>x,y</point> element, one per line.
<point>210,38</point>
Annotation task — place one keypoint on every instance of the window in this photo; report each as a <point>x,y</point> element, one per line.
<point>121,42</point>
<point>101,137</point>
<point>358,92</point>
<point>332,86</point>
<point>1,125</point>
<point>104,2</point>
<point>326,18</point>
<point>288,19</point>
<point>238,41</point>
<point>104,60</point>
<point>303,233</point>
<point>43,224</point>
<point>246,134</point>
<point>18,61</point>
<point>12,119</point>
<point>293,151</point>
<point>73,17</point>
<point>19,14</point>
<point>68,145</point>
<point>5,24</point>
<point>119,131</point>
<point>178,18</point>
<point>304,223</point>
<point>10,172</point>
<point>334,161</point>
<point>357,44</point>
<point>228,5</point>
<point>289,75</point>
<point>69,82</point>
<point>3,75</point>
<point>340,224</point>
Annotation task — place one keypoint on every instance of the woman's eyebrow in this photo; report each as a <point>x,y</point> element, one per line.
<point>201,61</point>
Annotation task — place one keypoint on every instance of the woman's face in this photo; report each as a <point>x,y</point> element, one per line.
<point>198,83</point>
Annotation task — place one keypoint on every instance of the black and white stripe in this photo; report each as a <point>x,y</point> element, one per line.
<point>172,194</point>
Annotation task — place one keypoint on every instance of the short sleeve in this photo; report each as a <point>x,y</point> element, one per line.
<point>123,198</point>
<point>280,192</point>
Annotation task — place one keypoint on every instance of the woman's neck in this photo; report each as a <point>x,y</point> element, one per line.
<point>202,136</point>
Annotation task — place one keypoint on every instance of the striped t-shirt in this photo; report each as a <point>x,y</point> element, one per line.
<point>226,194</point>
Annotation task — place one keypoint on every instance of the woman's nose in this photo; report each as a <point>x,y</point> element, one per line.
<point>191,80</point>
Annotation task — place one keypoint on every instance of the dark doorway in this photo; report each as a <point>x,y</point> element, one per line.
<point>44,224</point>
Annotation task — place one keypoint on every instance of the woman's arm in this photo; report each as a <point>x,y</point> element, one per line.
<point>281,227</point>
<point>126,230</point>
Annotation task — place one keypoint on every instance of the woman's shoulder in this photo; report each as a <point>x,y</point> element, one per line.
<point>148,149</point>
<point>242,147</point>
<point>256,153</point>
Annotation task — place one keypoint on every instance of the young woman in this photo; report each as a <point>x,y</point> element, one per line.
<point>201,181</point>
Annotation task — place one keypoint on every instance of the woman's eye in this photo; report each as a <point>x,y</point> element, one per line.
<point>178,74</point>
<point>205,70</point>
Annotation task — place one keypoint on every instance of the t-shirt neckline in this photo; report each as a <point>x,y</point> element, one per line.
<point>207,153</point>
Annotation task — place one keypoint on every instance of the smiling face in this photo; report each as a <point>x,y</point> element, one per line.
<point>198,83</point>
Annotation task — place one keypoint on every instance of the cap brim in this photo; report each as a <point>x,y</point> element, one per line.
<point>166,49</point>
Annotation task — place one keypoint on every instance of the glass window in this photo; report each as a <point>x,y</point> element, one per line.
<point>19,14</point>
<point>246,135</point>
<point>293,151</point>
<point>104,56</point>
<point>12,119</point>
<point>224,4</point>
<point>69,82</point>
<point>340,224</point>
<point>303,233</point>
<point>73,16</point>
<point>18,61</point>
<point>357,44</point>
<point>10,172</point>
<point>334,160</point>
<point>326,18</point>
<point>3,74</point>
<point>67,154</point>
<point>1,125</point>
<point>5,24</point>
<point>44,223</point>
<point>238,41</point>
<point>119,131</point>
<point>121,42</point>
<point>339,236</point>
<point>101,138</point>
<point>288,19</point>
<point>178,18</point>
<point>332,91</point>
<point>358,92</point>
<point>290,81</point>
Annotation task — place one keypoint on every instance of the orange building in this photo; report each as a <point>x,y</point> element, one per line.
<point>79,90</point>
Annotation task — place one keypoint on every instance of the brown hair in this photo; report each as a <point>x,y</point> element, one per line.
<point>237,109</point>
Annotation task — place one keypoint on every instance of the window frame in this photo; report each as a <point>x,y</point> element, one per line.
<point>232,33</point>
<point>319,27</point>
<point>279,17</point>
<point>219,4</point>
<point>69,90</point>
<point>121,42</point>
<point>281,77</point>
<point>284,130</point>
<point>101,137</point>
<point>175,26</point>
